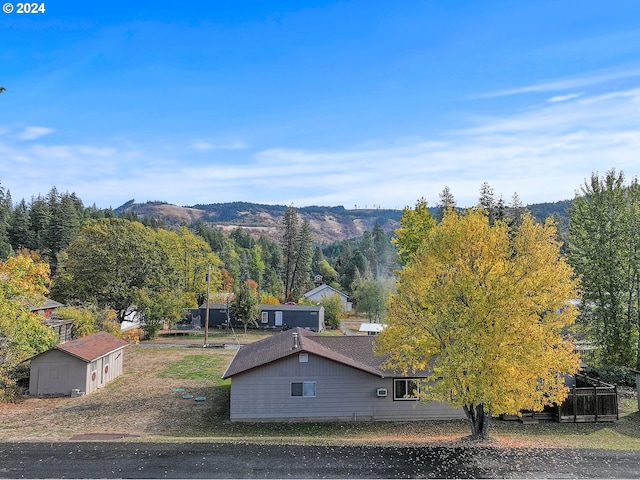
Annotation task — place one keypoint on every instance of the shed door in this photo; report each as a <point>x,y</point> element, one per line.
<point>278,319</point>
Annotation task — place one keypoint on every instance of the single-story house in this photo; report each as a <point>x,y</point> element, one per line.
<point>47,308</point>
<point>324,290</point>
<point>310,317</point>
<point>298,375</point>
<point>81,365</point>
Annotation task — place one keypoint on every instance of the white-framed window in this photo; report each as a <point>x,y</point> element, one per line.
<point>303,389</point>
<point>406,389</point>
<point>264,317</point>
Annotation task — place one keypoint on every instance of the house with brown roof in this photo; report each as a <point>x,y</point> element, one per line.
<point>298,375</point>
<point>80,365</point>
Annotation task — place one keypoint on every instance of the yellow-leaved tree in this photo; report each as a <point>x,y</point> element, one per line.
<point>482,309</point>
<point>23,282</point>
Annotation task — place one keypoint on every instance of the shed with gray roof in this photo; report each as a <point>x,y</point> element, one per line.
<point>298,375</point>
<point>81,365</point>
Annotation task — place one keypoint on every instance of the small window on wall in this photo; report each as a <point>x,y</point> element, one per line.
<point>303,389</point>
<point>264,317</point>
<point>303,357</point>
<point>406,389</point>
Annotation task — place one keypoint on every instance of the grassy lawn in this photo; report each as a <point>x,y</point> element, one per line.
<point>147,402</point>
<point>197,367</point>
<point>624,434</point>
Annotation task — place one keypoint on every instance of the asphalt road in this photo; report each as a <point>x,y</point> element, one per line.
<point>215,460</point>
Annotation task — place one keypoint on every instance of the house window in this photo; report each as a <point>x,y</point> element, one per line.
<point>303,357</point>
<point>406,389</point>
<point>303,389</point>
<point>264,318</point>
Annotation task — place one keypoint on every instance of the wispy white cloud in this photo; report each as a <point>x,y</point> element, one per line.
<point>543,153</point>
<point>571,83</point>
<point>564,98</point>
<point>32,133</point>
<point>206,146</point>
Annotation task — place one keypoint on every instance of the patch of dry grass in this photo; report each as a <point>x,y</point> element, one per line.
<point>144,403</point>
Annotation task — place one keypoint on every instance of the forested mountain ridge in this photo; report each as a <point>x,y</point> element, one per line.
<point>328,224</point>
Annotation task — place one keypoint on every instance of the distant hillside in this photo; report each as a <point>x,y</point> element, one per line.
<point>328,224</point>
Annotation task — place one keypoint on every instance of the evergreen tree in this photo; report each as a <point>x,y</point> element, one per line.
<point>368,249</point>
<point>317,258</point>
<point>487,201</point>
<point>5,214</point>
<point>20,235</point>
<point>290,238</point>
<point>386,254</point>
<point>39,216</point>
<point>516,211</point>
<point>447,201</point>
<point>303,275</point>
<point>500,211</point>
<point>64,225</point>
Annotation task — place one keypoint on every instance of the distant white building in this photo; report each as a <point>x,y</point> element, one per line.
<point>324,290</point>
<point>372,328</point>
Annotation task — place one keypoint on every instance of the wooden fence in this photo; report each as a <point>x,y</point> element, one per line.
<point>590,400</point>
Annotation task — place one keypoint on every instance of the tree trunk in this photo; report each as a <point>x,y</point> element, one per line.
<point>478,421</point>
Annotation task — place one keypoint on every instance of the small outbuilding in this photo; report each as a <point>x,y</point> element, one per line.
<point>47,308</point>
<point>77,366</point>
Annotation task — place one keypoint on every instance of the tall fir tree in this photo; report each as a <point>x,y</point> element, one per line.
<point>5,214</point>
<point>20,234</point>
<point>290,246</point>
<point>487,201</point>
<point>446,202</point>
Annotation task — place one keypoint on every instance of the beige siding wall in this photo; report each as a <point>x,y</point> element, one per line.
<point>56,373</point>
<point>342,393</point>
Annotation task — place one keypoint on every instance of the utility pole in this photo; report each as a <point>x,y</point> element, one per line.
<point>206,314</point>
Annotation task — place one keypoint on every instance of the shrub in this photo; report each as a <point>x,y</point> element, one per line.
<point>614,374</point>
<point>332,310</point>
<point>151,329</point>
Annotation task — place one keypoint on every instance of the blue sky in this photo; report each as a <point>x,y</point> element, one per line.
<point>367,103</point>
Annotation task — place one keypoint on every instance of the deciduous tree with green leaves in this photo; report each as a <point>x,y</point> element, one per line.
<point>333,313</point>
<point>480,312</point>
<point>604,249</point>
<point>23,282</point>
<point>244,306</point>
<point>415,225</point>
<point>115,262</point>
